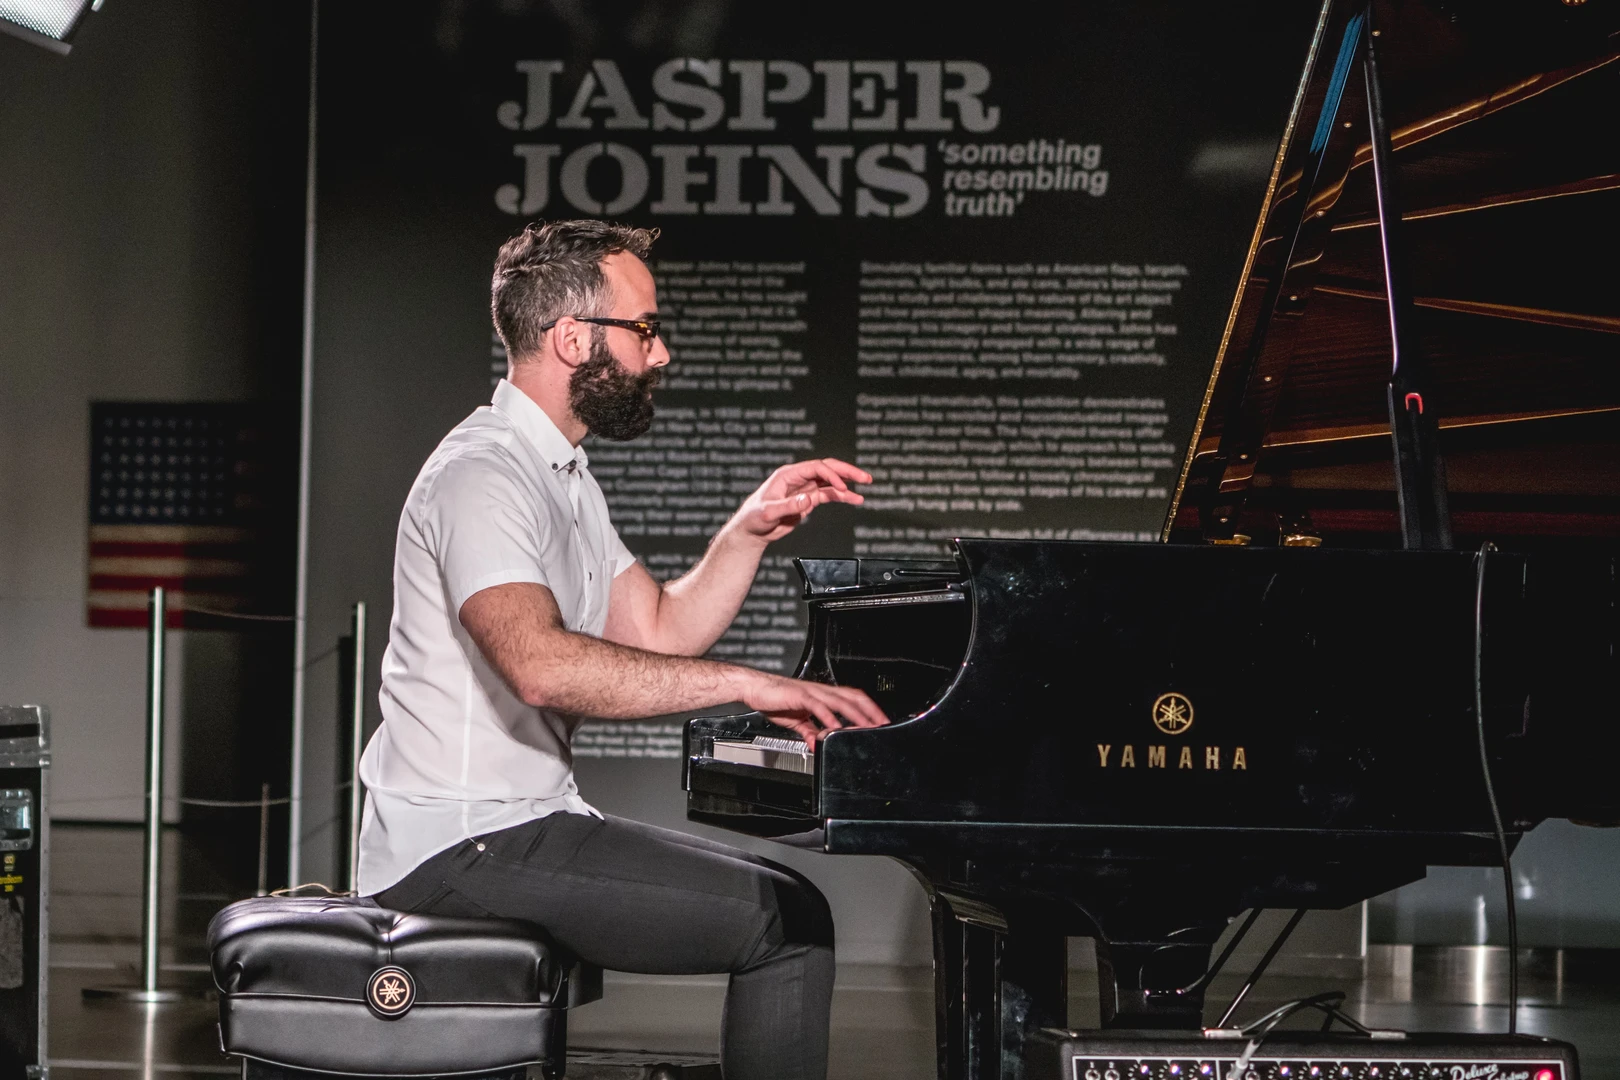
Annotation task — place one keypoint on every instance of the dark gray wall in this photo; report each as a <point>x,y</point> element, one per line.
<point>413,158</point>
<point>410,156</point>
<point>143,256</point>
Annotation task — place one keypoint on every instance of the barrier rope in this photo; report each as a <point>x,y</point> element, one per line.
<point>218,614</point>
<point>227,804</point>
<point>159,611</point>
<point>218,804</point>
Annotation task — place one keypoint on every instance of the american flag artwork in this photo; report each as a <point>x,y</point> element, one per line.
<point>178,499</point>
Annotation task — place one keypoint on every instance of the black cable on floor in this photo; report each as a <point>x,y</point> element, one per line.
<point>1490,790</point>
<point>1226,954</point>
<point>1328,1003</point>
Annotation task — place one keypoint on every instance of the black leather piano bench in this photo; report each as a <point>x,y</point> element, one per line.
<point>320,987</point>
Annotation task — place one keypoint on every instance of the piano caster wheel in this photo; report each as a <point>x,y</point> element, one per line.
<point>664,1071</point>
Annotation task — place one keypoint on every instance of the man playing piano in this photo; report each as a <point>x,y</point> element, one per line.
<point>518,610</point>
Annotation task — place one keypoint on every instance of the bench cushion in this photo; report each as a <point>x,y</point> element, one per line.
<point>343,985</point>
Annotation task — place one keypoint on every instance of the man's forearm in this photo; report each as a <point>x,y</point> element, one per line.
<point>695,609</point>
<point>519,631</point>
<point>582,674</point>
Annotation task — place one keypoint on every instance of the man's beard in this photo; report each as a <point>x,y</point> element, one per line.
<point>612,403</point>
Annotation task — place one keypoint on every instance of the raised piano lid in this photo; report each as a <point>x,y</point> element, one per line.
<point>1501,117</point>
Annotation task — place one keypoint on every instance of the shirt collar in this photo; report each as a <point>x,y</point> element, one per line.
<point>537,428</point>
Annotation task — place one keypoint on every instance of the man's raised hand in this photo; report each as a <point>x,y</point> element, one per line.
<point>788,496</point>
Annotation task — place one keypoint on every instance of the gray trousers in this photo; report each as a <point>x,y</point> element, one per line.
<point>631,897</point>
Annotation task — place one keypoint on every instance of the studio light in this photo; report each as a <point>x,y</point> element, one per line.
<point>50,23</point>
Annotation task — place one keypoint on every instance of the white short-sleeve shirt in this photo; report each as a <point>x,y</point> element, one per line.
<point>504,498</point>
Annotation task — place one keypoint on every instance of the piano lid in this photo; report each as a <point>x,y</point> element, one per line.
<point>1501,116</point>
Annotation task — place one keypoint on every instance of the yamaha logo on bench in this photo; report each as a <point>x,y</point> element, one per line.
<point>391,992</point>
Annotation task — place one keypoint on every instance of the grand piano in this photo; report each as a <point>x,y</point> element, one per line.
<point>1380,635</point>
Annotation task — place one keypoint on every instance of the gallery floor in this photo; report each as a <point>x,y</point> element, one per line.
<point>882,1024</point>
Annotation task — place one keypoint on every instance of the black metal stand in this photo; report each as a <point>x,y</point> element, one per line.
<point>1260,968</point>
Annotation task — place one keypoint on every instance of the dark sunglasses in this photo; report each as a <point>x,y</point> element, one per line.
<point>646,329</point>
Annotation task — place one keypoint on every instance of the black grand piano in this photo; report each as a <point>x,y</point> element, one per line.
<point>1380,635</point>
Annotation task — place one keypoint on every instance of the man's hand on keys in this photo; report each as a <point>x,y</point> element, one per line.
<point>810,708</point>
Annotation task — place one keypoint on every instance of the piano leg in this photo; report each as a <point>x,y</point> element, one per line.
<point>964,960</point>
<point>1034,990</point>
<point>994,984</point>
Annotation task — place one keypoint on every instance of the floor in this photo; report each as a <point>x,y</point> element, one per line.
<point>882,1025</point>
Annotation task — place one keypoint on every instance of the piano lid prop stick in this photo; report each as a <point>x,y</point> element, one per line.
<point>1420,471</point>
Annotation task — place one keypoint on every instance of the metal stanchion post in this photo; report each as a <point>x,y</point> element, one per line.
<point>357,741</point>
<point>264,840</point>
<point>152,865</point>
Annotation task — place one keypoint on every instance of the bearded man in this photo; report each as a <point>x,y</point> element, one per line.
<point>518,611</point>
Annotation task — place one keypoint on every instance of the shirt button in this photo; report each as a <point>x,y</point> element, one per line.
<point>480,847</point>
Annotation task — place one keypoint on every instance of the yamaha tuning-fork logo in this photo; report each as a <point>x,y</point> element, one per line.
<point>391,992</point>
<point>1172,713</point>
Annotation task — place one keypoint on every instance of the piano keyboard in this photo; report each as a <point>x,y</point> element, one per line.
<point>790,755</point>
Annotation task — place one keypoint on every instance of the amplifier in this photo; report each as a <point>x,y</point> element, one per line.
<point>25,740</point>
<point>1296,1055</point>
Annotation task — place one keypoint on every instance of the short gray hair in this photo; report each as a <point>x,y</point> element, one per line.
<point>552,269</point>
